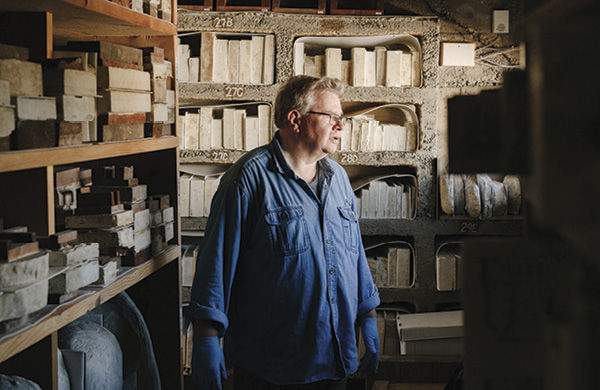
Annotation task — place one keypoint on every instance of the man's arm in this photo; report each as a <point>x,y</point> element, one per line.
<point>371,313</point>
<point>204,328</point>
<point>370,334</point>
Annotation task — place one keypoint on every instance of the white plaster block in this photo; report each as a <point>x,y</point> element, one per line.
<point>268,75</point>
<point>205,128</point>
<point>192,125</point>
<point>141,220</point>
<point>264,124</point>
<point>27,299</point>
<point>333,62</point>
<point>234,60</point>
<point>37,108</point>
<point>70,255</point>
<point>76,108</point>
<point>257,47</point>
<point>24,271</point>
<point>359,76</point>
<point>197,208</point>
<point>393,65</point>
<point>25,77</point>
<point>125,79</point>
<point>142,239</point>
<point>251,133</point>
<point>74,277</point>
<point>245,67</point>
<point>228,128</point>
<point>184,196</point>
<point>221,61</point>
<point>216,134</point>
<point>4,93</point>
<point>445,269</point>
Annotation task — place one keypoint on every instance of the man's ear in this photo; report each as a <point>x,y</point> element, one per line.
<point>293,118</point>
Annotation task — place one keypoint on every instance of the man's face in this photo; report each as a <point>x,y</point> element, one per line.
<point>317,133</point>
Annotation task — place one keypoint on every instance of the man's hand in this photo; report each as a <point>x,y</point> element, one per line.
<point>370,360</point>
<point>208,363</point>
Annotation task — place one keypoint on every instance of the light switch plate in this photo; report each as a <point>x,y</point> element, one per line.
<point>500,21</point>
<point>458,54</point>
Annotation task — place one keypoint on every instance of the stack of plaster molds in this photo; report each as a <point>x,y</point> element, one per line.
<point>71,268</point>
<point>23,285</point>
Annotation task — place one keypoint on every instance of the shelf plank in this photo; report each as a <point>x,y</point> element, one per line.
<point>94,17</point>
<point>70,311</point>
<point>36,158</point>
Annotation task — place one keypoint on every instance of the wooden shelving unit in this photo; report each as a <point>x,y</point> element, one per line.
<point>27,190</point>
<point>61,315</point>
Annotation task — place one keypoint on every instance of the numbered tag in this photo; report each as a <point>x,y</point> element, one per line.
<point>223,22</point>
<point>349,158</point>
<point>234,92</point>
<point>219,155</point>
<point>468,227</point>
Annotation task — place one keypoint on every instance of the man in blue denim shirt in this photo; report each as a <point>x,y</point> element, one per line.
<point>281,272</point>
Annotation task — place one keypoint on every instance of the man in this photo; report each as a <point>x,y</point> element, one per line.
<point>281,272</point>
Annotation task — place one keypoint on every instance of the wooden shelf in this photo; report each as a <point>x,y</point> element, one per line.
<point>94,17</point>
<point>12,344</point>
<point>37,158</point>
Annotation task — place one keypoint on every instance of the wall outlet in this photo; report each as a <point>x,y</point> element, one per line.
<point>500,21</point>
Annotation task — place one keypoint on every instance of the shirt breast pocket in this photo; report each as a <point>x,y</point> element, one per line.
<point>349,228</point>
<point>287,230</point>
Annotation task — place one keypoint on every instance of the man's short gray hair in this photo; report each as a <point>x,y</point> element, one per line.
<point>299,93</point>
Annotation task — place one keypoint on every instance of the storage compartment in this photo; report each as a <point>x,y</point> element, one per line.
<point>387,60</point>
<point>438,333</point>
<point>387,127</point>
<point>392,264</point>
<point>236,126</point>
<point>479,196</point>
<point>391,196</point>
<point>448,267</point>
<point>237,58</point>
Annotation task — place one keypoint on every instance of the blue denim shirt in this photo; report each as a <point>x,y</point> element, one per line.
<point>284,272</point>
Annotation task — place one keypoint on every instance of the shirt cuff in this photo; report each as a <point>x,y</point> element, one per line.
<point>368,304</point>
<point>198,312</point>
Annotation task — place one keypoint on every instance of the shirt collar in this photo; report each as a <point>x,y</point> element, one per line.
<point>279,163</point>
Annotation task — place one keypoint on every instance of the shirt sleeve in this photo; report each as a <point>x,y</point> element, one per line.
<point>218,255</point>
<point>368,295</point>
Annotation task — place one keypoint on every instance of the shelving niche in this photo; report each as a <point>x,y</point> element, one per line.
<point>27,190</point>
<point>416,103</point>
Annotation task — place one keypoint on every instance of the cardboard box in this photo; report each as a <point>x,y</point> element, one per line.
<point>439,333</point>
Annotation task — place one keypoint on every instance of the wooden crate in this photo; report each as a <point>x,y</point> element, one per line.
<point>345,7</point>
<point>230,5</point>
<point>291,7</point>
<point>196,5</point>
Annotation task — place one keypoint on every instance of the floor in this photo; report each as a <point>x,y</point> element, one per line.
<point>353,385</point>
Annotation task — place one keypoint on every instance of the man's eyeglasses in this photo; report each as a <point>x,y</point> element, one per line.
<point>333,118</point>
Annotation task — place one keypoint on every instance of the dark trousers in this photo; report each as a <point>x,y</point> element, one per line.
<point>244,380</point>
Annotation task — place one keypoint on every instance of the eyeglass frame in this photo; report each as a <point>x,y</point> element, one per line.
<point>341,119</point>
